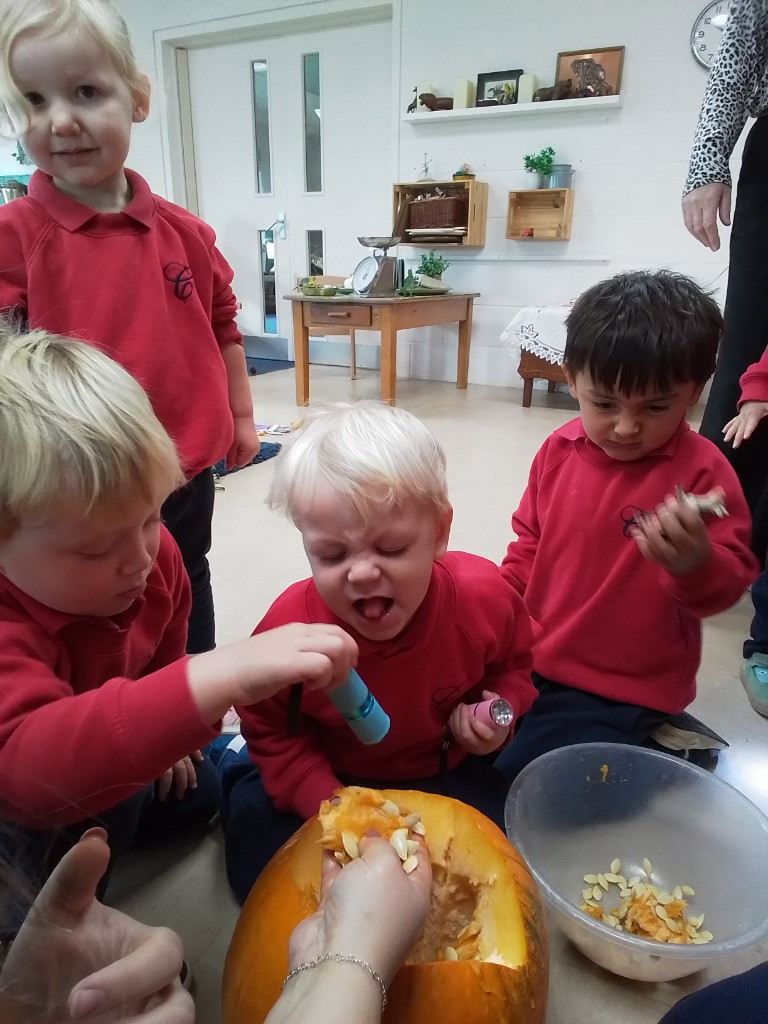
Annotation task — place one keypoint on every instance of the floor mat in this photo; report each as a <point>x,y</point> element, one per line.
<point>268,450</point>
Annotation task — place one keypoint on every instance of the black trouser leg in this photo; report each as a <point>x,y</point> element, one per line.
<point>188,514</point>
<point>746,328</point>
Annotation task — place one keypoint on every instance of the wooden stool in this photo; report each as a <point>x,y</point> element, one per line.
<point>533,368</point>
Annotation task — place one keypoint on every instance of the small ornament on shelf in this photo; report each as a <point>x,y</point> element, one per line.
<point>424,174</point>
<point>463,173</point>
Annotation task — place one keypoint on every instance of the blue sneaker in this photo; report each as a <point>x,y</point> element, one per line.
<point>754,676</point>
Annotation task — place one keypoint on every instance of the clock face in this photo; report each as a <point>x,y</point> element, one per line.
<point>364,274</point>
<point>707,32</point>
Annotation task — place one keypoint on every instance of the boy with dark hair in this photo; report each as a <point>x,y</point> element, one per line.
<point>615,565</point>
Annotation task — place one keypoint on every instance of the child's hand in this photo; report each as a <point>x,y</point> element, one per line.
<point>180,777</point>
<point>475,736</point>
<point>318,655</point>
<point>674,536</point>
<point>245,443</point>
<point>742,427</point>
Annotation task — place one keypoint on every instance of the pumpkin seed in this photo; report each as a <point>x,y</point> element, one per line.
<point>647,867</point>
<point>390,807</point>
<point>419,829</point>
<point>603,882</point>
<point>591,879</point>
<point>410,820</point>
<point>412,846</point>
<point>450,953</point>
<point>597,893</point>
<point>687,890</point>
<point>399,839</point>
<point>410,864</point>
<point>350,844</point>
<point>615,865</point>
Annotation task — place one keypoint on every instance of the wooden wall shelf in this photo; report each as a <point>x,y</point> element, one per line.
<point>593,103</point>
<point>540,215</point>
<point>476,193</point>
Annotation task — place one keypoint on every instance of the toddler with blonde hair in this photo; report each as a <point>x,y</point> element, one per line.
<point>102,717</point>
<point>438,632</point>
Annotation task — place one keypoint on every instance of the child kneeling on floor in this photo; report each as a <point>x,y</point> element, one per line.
<point>101,714</point>
<point>612,562</point>
<point>437,631</point>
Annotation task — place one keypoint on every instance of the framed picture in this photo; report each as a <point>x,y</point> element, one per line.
<point>496,88</point>
<point>592,72</point>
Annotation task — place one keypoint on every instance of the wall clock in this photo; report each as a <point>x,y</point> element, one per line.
<point>707,32</point>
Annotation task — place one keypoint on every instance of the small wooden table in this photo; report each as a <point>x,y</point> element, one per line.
<point>388,315</point>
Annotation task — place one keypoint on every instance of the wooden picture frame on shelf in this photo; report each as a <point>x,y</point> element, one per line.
<point>592,72</point>
<point>497,88</point>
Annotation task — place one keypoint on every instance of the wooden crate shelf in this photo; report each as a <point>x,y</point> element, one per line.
<point>540,215</point>
<point>476,193</point>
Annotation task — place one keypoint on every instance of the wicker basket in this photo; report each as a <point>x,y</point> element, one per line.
<point>438,212</point>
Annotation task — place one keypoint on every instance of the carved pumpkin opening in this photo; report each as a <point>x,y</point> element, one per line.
<point>484,914</point>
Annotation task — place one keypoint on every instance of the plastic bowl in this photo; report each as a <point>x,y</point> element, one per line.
<point>572,811</point>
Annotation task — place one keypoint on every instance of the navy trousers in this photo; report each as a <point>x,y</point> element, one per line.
<point>140,820</point>
<point>561,716</point>
<point>188,513</point>
<point>737,1000</point>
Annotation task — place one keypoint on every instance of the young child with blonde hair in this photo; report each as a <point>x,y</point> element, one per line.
<point>101,714</point>
<point>92,253</point>
<point>438,632</point>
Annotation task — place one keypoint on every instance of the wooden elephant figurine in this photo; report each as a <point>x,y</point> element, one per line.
<point>432,102</point>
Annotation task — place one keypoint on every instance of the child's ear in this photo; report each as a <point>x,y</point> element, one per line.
<point>571,385</point>
<point>443,532</point>
<point>696,394</point>
<point>141,94</point>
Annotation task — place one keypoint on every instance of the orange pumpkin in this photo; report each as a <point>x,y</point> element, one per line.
<point>484,904</point>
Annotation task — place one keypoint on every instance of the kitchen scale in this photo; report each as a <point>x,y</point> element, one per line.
<point>377,274</point>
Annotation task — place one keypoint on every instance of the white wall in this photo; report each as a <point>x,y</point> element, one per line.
<point>630,162</point>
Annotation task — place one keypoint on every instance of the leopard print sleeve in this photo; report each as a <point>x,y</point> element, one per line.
<point>737,87</point>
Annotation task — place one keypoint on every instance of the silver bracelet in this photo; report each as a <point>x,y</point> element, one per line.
<point>340,958</point>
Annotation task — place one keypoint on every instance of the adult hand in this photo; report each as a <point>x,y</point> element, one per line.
<point>474,735</point>
<point>180,777</point>
<point>674,536</point>
<point>370,909</point>
<point>701,208</point>
<point>742,427</point>
<point>75,959</point>
<point>245,442</point>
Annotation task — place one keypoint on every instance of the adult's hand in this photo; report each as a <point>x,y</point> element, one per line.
<point>701,209</point>
<point>370,909</point>
<point>75,959</point>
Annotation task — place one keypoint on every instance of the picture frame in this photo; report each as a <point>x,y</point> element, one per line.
<point>497,88</point>
<point>596,72</point>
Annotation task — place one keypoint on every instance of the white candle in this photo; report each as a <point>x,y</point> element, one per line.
<point>463,94</point>
<point>527,85</point>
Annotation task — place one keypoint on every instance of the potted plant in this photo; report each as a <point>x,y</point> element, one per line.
<point>538,166</point>
<point>432,266</point>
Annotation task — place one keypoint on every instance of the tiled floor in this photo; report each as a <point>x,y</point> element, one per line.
<point>490,441</point>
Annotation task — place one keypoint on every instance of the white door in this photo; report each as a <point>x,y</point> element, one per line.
<point>348,194</point>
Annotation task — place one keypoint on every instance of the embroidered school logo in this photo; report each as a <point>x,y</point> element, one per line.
<point>631,515</point>
<point>181,279</point>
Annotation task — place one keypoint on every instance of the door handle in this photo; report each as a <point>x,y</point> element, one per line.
<point>338,316</point>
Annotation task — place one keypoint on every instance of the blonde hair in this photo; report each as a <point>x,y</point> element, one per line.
<point>74,425</point>
<point>375,455</point>
<point>98,19</point>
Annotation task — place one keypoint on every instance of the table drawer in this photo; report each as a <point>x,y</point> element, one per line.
<point>339,314</point>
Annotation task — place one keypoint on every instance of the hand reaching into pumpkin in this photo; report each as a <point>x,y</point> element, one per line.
<point>473,734</point>
<point>370,910</point>
<point>76,959</point>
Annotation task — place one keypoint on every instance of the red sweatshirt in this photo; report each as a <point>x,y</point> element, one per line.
<point>93,709</point>
<point>470,633</point>
<point>754,381</point>
<point>612,622</point>
<point>147,285</point>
